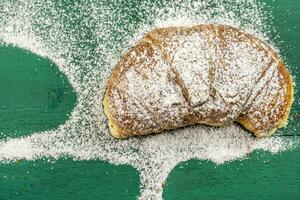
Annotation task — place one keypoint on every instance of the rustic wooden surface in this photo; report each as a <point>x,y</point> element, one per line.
<point>35,96</point>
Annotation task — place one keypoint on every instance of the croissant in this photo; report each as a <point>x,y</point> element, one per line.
<point>208,74</point>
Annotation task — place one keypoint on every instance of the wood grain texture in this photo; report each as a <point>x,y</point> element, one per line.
<point>67,179</point>
<point>34,94</point>
<point>261,176</point>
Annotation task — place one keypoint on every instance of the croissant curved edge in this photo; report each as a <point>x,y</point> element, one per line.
<point>119,130</point>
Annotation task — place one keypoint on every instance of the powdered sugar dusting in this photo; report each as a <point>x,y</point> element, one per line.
<point>86,40</point>
<point>211,70</point>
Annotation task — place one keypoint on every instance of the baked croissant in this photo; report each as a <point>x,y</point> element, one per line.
<point>208,74</point>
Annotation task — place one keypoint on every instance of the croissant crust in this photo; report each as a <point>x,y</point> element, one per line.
<point>208,74</point>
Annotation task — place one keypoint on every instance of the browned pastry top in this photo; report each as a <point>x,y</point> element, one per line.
<point>208,74</point>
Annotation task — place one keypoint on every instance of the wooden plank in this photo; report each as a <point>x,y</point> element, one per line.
<point>260,176</point>
<point>67,179</point>
<point>35,95</point>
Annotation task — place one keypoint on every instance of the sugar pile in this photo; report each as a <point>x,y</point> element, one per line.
<point>86,40</point>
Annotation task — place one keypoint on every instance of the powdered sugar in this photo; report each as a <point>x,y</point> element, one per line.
<point>211,70</point>
<point>86,40</point>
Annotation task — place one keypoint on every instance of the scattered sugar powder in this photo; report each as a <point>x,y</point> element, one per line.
<point>86,39</point>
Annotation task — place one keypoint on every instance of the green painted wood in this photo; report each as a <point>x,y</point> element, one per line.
<point>260,176</point>
<point>34,94</point>
<point>286,15</point>
<point>66,179</point>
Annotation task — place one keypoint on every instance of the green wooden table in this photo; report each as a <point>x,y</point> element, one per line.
<point>39,97</point>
